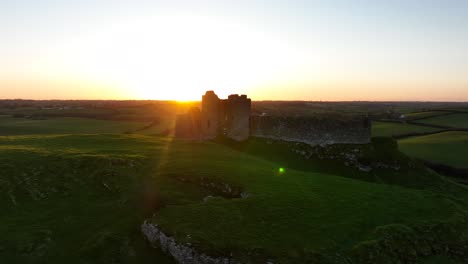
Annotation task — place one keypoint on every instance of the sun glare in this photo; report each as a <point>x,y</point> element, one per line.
<point>178,57</point>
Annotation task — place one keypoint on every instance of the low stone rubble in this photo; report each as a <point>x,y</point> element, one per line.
<point>350,157</point>
<point>182,253</point>
<point>216,186</point>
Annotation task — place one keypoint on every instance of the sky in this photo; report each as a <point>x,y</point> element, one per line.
<point>327,50</point>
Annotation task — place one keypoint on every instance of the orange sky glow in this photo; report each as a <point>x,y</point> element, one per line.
<point>143,50</point>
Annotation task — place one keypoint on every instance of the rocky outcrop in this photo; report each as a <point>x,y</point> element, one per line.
<point>182,253</point>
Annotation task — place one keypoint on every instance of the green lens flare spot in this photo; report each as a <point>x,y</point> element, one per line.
<point>281,170</point>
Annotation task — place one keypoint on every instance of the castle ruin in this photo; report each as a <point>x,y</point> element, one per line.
<point>232,118</point>
<point>229,117</point>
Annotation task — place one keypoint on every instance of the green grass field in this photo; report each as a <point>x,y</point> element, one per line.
<point>388,129</point>
<point>71,125</point>
<point>65,125</point>
<point>449,148</point>
<point>77,189</point>
<point>64,199</point>
<point>81,199</point>
<point>289,214</point>
<point>417,115</point>
<point>455,120</point>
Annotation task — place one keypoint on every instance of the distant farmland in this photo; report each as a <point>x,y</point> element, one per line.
<point>388,129</point>
<point>449,148</point>
<point>65,125</point>
<point>418,115</point>
<point>454,120</point>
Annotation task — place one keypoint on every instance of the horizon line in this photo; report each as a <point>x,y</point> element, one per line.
<point>265,100</point>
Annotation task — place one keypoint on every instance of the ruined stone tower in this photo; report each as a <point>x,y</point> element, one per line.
<point>237,117</point>
<point>210,115</point>
<point>232,118</point>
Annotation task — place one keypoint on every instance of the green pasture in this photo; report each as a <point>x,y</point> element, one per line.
<point>418,115</point>
<point>455,120</point>
<point>71,125</point>
<point>65,125</point>
<point>388,129</point>
<point>449,148</point>
<point>81,199</point>
<point>58,112</point>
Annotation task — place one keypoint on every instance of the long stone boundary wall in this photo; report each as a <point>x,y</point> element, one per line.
<point>315,130</point>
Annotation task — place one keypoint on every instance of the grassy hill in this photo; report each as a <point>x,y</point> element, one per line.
<point>449,148</point>
<point>64,199</point>
<point>293,216</point>
<point>81,199</point>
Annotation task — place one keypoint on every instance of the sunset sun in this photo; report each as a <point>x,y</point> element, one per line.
<point>176,57</point>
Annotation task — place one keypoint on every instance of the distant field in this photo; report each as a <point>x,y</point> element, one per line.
<point>101,110</point>
<point>387,129</point>
<point>455,120</point>
<point>70,125</point>
<point>449,148</point>
<point>417,115</point>
<point>461,109</point>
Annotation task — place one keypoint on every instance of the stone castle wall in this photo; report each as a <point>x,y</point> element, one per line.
<point>188,125</point>
<point>237,117</point>
<point>210,115</point>
<point>313,130</point>
<point>232,118</point>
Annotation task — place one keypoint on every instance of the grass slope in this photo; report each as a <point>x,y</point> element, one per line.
<point>65,200</point>
<point>289,216</point>
<point>388,129</point>
<point>384,163</point>
<point>81,198</point>
<point>455,120</point>
<point>449,148</point>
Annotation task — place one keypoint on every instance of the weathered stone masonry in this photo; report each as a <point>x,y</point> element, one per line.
<point>229,117</point>
<point>313,130</point>
<point>237,117</point>
<point>211,116</point>
<point>232,118</point>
